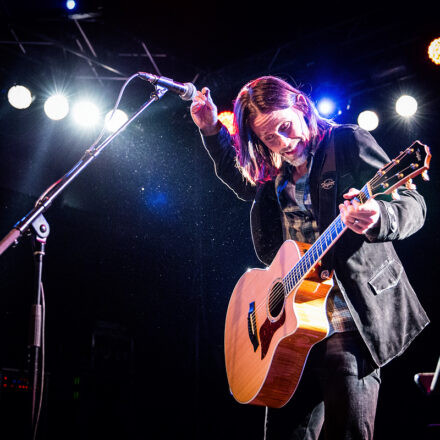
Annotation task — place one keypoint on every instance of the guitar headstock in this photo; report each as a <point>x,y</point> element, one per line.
<point>407,165</point>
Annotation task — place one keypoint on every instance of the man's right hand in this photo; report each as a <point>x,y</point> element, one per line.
<point>204,113</point>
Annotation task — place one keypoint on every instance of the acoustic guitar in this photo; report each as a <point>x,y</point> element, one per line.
<point>275,315</point>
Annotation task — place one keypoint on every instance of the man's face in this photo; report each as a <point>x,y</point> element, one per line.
<point>284,132</point>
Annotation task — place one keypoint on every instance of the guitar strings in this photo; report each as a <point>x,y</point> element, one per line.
<point>313,254</point>
<point>385,169</point>
<point>363,196</point>
<point>310,258</point>
<point>305,264</point>
<point>386,180</point>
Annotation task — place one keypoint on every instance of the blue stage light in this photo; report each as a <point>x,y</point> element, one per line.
<point>326,107</point>
<point>70,4</point>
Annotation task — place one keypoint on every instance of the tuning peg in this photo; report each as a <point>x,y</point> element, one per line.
<point>425,175</point>
<point>409,184</point>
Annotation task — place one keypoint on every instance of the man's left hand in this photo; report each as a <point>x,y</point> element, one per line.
<point>359,217</point>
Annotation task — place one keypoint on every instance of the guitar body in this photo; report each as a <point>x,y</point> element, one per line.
<point>269,333</point>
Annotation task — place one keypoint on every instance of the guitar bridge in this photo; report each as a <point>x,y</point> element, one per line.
<point>252,326</point>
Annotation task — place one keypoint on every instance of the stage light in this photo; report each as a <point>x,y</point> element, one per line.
<point>85,113</point>
<point>70,4</point>
<point>19,97</point>
<point>326,107</point>
<point>434,51</point>
<point>117,120</point>
<point>368,120</point>
<point>56,107</point>
<point>406,106</point>
<point>227,119</point>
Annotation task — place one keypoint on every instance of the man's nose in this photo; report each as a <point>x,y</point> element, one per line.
<point>287,144</point>
<point>284,143</point>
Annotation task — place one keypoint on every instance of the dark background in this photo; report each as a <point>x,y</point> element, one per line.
<point>147,244</point>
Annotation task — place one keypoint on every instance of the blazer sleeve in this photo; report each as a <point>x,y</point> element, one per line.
<point>399,218</point>
<point>222,153</point>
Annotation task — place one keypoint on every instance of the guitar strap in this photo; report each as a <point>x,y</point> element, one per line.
<point>328,187</point>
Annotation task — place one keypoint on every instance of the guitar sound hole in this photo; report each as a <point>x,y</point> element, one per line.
<point>276,300</point>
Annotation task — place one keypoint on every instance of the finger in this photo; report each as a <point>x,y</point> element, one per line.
<point>200,97</point>
<point>345,208</point>
<point>355,203</point>
<point>351,205</point>
<point>198,103</point>
<point>349,215</point>
<point>360,223</point>
<point>352,192</point>
<point>357,220</point>
<point>196,108</point>
<point>357,225</point>
<point>364,210</point>
<point>207,94</point>
<point>345,216</point>
<point>368,209</point>
<point>364,215</point>
<point>358,228</point>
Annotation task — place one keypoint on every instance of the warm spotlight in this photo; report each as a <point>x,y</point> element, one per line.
<point>434,51</point>
<point>406,106</point>
<point>85,113</point>
<point>112,123</point>
<point>227,119</point>
<point>19,97</point>
<point>368,120</point>
<point>56,107</point>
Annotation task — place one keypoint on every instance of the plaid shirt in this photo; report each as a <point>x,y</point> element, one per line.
<point>299,224</point>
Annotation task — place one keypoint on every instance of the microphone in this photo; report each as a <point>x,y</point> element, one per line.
<point>186,91</point>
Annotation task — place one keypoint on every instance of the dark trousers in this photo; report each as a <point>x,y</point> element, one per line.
<point>336,397</point>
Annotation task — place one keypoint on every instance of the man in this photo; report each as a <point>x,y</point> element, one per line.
<point>300,170</point>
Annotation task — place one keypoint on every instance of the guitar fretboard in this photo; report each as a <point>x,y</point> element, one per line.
<point>325,241</point>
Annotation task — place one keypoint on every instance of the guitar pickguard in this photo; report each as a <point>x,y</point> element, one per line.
<point>267,331</point>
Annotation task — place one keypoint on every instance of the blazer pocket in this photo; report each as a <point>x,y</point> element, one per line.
<point>387,277</point>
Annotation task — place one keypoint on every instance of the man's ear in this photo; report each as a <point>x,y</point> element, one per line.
<point>301,102</point>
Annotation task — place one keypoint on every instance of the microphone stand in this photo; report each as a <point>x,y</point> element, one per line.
<point>35,224</point>
<point>40,232</point>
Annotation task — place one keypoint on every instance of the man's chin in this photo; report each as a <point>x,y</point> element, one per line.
<point>296,161</point>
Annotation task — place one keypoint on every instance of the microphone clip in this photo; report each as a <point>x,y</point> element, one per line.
<point>158,92</point>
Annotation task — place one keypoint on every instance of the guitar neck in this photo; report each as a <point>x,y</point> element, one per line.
<point>321,246</point>
<point>411,162</point>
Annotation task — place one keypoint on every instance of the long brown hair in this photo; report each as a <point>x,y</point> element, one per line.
<point>264,95</point>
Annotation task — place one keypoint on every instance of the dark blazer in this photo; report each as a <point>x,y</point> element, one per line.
<point>383,304</point>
